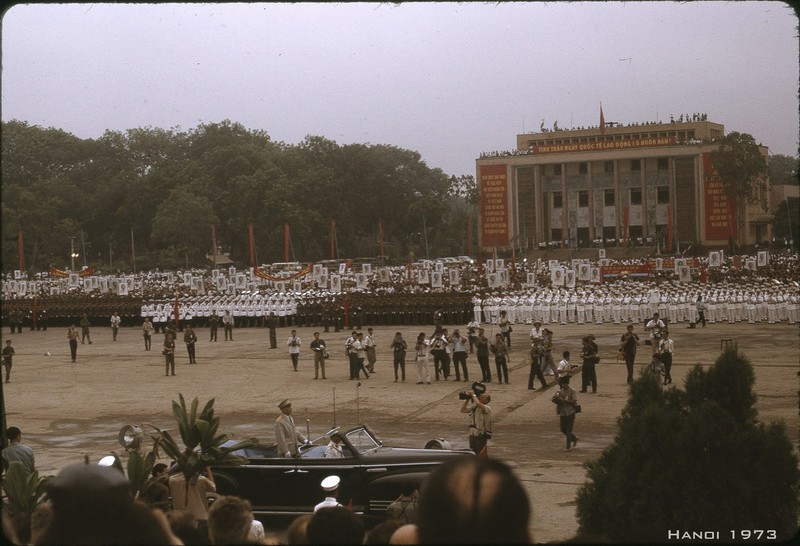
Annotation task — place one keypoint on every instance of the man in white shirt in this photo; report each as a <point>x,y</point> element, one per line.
<point>564,367</point>
<point>655,326</point>
<point>294,348</point>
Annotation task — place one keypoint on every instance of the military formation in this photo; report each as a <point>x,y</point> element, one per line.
<point>406,296</point>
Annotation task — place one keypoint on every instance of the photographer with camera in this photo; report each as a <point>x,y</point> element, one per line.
<point>655,325</point>
<point>476,403</point>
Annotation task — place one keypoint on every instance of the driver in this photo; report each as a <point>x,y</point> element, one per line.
<point>287,436</point>
<point>334,448</point>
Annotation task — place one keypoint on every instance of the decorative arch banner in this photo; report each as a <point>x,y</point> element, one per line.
<point>275,278</point>
<point>493,188</point>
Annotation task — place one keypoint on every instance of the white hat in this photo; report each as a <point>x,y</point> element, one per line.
<point>331,483</point>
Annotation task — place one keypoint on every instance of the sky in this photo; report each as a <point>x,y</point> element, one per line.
<point>449,80</point>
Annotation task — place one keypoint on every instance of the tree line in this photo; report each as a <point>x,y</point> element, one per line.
<point>160,190</point>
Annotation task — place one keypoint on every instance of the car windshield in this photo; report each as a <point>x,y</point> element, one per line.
<point>362,440</point>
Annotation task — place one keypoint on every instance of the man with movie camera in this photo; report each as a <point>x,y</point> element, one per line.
<point>476,403</point>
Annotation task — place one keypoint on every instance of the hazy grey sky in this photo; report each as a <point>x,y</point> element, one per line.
<point>448,80</point>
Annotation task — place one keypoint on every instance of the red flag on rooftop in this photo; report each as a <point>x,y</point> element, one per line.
<point>602,121</point>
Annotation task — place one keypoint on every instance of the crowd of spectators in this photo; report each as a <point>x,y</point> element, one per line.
<point>92,504</point>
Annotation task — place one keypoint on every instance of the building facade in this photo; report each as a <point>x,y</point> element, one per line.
<point>650,184</point>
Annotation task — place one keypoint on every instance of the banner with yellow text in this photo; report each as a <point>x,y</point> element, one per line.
<point>493,188</point>
<point>720,208</point>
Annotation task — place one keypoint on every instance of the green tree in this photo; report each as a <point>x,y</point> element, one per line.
<point>693,460</point>
<point>786,223</point>
<point>743,170</point>
<point>783,170</point>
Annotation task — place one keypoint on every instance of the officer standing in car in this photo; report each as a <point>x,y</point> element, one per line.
<point>287,436</point>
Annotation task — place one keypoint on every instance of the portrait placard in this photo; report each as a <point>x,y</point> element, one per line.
<point>436,279</point>
<point>455,277</point>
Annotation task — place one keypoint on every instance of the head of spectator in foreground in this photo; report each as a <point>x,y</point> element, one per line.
<point>335,525</point>
<point>486,504</point>
<point>296,532</point>
<point>229,520</point>
<point>92,505</point>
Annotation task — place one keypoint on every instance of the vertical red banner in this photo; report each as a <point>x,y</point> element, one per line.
<point>21,253</point>
<point>625,217</point>
<point>720,208</point>
<point>333,238</point>
<point>669,228</point>
<point>493,189</point>
<point>213,245</point>
<point>469,235</point>
<point>380,237</point>
<point>285,242</point>
<point>252,246</point>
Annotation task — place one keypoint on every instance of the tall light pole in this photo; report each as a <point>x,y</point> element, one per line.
<point>72,253</point>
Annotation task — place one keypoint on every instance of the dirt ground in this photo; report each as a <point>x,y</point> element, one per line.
<point>70,410</point>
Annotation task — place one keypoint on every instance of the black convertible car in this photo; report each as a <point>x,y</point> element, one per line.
<point>371,474</point>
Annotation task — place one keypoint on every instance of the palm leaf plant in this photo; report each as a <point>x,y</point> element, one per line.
<point>202,444</point>
<point>24,491</point>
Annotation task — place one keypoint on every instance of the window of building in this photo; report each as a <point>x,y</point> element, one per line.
<point>662,194</point>
<point>609,233</point>
<point>557,169</point>
<point>609,198</point>
<point>608,166</point>
<point>663,163</point>
<point>636,196</point>
<point>583,167</point>
<point>635,232</point>
<point>636,165</point>
<point>555,234</point>
<point>557,200</point>
<point>583,198</point>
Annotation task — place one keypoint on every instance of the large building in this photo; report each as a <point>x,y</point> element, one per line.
<point>584,187</point>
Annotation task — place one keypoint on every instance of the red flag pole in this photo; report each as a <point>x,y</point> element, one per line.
<point>176,312</point>
<point>133,252</point>
<point>669,228</point>
<point>469,235</point>
<point>602,121</point>
<point>21,251</point>
<point>213,246</point>
<point>625,228</point>
<point>380,237</point>
<point>333,237</point>
<point>252,246</point>
<point>285,242</point>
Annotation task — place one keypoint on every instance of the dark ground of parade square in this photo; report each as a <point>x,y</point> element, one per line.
<point>67,411</point>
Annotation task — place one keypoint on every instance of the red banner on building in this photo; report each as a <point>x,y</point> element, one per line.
<point>493,188</point>
<point>604,145</point>
<point>720,207</point>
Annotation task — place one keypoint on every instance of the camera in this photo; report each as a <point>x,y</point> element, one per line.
<point>478,388</point>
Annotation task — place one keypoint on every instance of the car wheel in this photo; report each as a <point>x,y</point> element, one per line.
<point>438,443</point>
